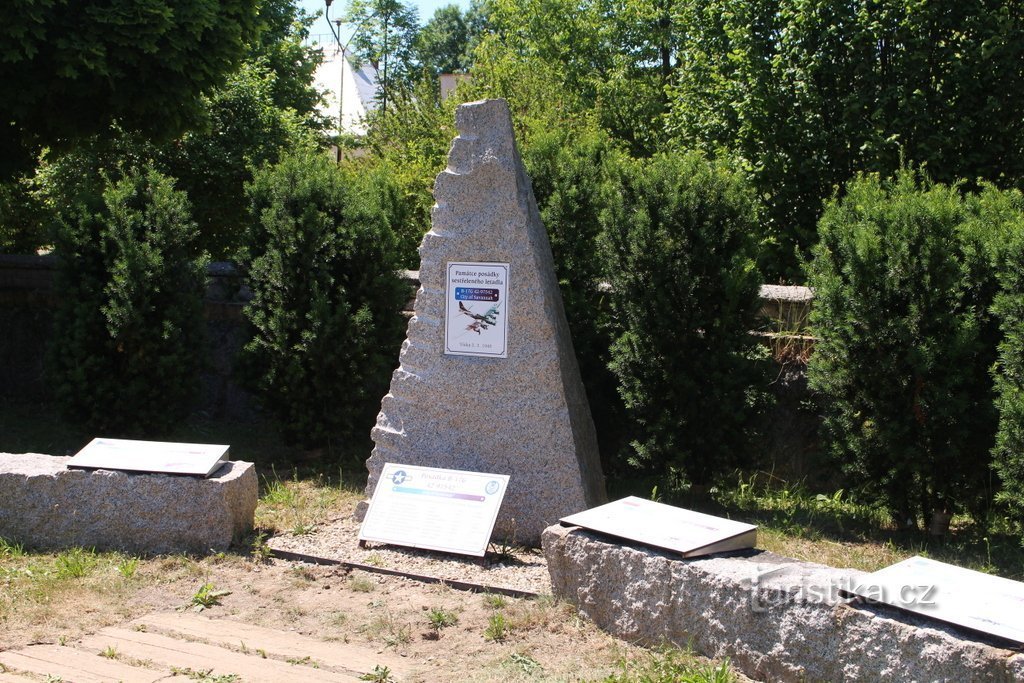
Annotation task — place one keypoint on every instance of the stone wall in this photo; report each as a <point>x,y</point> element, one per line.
<point>26,319</point>
<point>775,618</point>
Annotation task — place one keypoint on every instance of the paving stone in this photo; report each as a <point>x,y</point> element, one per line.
<point>182,655</point>
<point>79,666</point>
<point>282,645</point>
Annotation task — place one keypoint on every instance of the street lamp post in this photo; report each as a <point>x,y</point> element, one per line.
<point>341,69</point>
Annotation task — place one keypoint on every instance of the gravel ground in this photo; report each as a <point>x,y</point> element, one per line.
<point>338,539</point>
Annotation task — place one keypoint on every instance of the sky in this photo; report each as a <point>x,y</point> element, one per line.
<point>322,30</point>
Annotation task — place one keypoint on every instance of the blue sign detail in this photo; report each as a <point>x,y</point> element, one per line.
<point>476,294</point>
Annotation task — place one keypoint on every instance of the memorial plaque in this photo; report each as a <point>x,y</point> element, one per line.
<point>476,312</point>
<point>963,597</point>
<point>663,526</point>
<point>435,509</point>
<point>151,456</point>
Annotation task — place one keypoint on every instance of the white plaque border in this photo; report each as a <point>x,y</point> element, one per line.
<point>449,312</point>
<point>476,546</point>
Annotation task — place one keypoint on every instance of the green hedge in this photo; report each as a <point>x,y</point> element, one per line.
<point>903,278</point>
<point>327,299</point>
<point>1009,374</point>
<point>680,249</point>
<point>128,330</point>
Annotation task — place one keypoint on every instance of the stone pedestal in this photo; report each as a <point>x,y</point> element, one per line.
<point>44,505</point>
<point>775,618</point>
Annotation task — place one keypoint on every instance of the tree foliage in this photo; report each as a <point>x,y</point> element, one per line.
<point>410,147</point>
<point>385,36</point>
<point>22,217</point>
<point>441,45</point>
<point>612,57</point>
<point>809,93</point>
<point>242,129</point>
<point>280,48</point>
<point>68,69</point>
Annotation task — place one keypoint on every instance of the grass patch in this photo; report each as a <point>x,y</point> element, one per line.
<point>299,505</point>
<point>128,567</point>
<point>386,628</point>
<point>438,619</point>
<point>206,597</point>
<point>541,613</point>
<point>75,563</point>
<point>361,584</point>
<point>11,550</point>
<point>522,663</point>
<point>494,600</point>
<point>205,675</point>
<point>380,674</point>
<point>670,665</point>
<point>837,529</point>
<point>61,589</point>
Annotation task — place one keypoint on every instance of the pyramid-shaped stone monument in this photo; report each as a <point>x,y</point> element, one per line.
<point>488,380</point>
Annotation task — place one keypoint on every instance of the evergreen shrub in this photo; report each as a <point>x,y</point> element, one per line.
<point>1008,454</point>
<point>903,279</point>
<point>570,169</point>
<point>127,346</point>
<point>679,237</point>
<point>327,299</point>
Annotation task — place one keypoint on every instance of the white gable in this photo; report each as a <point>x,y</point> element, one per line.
<point>355,89</point>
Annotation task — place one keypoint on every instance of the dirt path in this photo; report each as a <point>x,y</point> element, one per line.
<point>68,609</point>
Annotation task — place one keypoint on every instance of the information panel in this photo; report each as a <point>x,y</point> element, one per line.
<point>683,531</point>
<point>436,509</point>
<point>476,310</point>
<point>990,604</point>
<point>151,456</point>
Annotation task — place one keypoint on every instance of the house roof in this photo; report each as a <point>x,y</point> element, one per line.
<point>350,91</point>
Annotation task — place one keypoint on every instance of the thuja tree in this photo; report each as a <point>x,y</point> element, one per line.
<point>128,331</point>
<point>679,240</point>
<point>327,299</point>
<point>905,345</point>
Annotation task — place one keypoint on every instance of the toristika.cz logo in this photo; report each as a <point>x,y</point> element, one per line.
<point>775,585</point>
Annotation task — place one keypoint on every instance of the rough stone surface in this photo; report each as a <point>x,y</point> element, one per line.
<point>775,618</point>
<point>526,415</point>
<point>45,505</point>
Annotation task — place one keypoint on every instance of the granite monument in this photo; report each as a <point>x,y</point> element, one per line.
<point>488,379</point>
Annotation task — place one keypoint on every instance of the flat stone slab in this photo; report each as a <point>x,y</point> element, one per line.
<point>775,618</point>
<point>47,506</point>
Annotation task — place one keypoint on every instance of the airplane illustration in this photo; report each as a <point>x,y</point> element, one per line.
<point>480,322</point>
